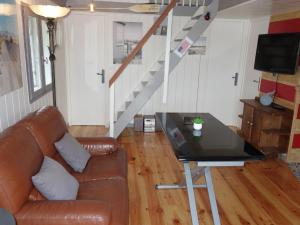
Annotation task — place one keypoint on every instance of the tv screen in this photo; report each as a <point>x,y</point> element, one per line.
<point>278,53</point>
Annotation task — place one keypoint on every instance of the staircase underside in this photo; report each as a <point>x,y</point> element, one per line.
<point>195,28</point>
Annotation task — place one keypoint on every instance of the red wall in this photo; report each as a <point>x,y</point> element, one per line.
<point>285,26</point>
<point>286,92</point>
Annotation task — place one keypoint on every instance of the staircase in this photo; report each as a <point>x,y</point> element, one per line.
<point>191,32</point>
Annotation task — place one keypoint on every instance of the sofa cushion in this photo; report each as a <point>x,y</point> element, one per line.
<point>72,152</point>
<point>47,125</point>
<point>104,167</point>
<point>114,191</point>
<point>20,159</point>
<point>54,182</point>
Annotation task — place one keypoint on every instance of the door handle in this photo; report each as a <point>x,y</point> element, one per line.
<point>103,75</point>
<point>236,78</point>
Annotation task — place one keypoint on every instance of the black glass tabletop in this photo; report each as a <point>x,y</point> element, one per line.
<point>215,141</point>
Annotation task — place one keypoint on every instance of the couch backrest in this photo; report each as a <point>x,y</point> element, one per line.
<point>47,125</point>
<point>20,159</point>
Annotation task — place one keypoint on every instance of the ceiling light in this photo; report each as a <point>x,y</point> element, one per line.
<point>50,11</point>
<point>92,7</point>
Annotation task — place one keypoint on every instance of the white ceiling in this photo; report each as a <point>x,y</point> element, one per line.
<point>260,8</point>
<point>126,1</point>
<point>250,9</point>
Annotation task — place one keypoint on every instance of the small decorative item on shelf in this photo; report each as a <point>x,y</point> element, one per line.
<point>267,98</point>
<point>198,123</point>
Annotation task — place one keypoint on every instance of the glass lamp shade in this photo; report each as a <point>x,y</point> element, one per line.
<point>50,11</point>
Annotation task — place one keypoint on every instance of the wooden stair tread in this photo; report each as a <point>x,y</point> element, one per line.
<point>144,83</point>
<point>187,28</point>
<point>119,114</point>
<point>178,39</point>
<point>127,103</point>
<point>135,93</point>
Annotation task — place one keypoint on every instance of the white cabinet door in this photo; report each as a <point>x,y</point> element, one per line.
<point>85,35</point>
<point>224,61</point>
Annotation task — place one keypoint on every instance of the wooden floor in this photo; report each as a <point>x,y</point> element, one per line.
<point>261,193</point>
<point>88,131</point>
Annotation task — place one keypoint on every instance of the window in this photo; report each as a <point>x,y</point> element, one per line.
<point>37,55</point>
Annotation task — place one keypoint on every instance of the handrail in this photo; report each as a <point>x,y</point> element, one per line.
<point>142,42</point>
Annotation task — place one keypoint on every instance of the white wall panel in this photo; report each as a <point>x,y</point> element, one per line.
<point>257,26</point>
<point>15,105</point>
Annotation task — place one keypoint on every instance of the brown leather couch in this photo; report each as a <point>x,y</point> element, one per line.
<point>103,192</point>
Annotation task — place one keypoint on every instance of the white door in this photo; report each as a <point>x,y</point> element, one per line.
<point>224,58</point>
<point>85,33</point>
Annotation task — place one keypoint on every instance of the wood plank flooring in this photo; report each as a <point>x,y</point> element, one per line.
<point>261,193</point>
<point>88,131</point>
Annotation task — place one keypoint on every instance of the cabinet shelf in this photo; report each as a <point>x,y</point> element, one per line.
<point>277,131</point>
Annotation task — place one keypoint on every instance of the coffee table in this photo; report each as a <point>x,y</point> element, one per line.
<point>215,146</point>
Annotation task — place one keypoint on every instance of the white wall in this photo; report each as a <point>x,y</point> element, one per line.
<point>133,31</point>
<point>15,105</point>
<point>60,71</point>
<point>188,81</point>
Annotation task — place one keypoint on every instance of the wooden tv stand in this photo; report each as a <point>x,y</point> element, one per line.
<point>265,127</point>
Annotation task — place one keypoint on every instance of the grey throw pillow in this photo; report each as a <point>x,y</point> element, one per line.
<point>71,151</point>
<point>54,182</point>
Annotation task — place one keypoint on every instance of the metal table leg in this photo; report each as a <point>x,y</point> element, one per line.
<point>189,185</point>
<point>190,189</point>
<point>212,197</point>
<point>197,172</point>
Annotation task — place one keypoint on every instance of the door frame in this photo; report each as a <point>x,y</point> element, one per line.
<point>242,69</point>
<point>67,42</point>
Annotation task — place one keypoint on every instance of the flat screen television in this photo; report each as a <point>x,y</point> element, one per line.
<point>278,53</point>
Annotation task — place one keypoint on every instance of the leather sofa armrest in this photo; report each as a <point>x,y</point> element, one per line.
<point>77,212</point>
<point>99,145</point>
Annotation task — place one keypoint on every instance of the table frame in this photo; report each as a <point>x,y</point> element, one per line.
<point>202,168</point>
